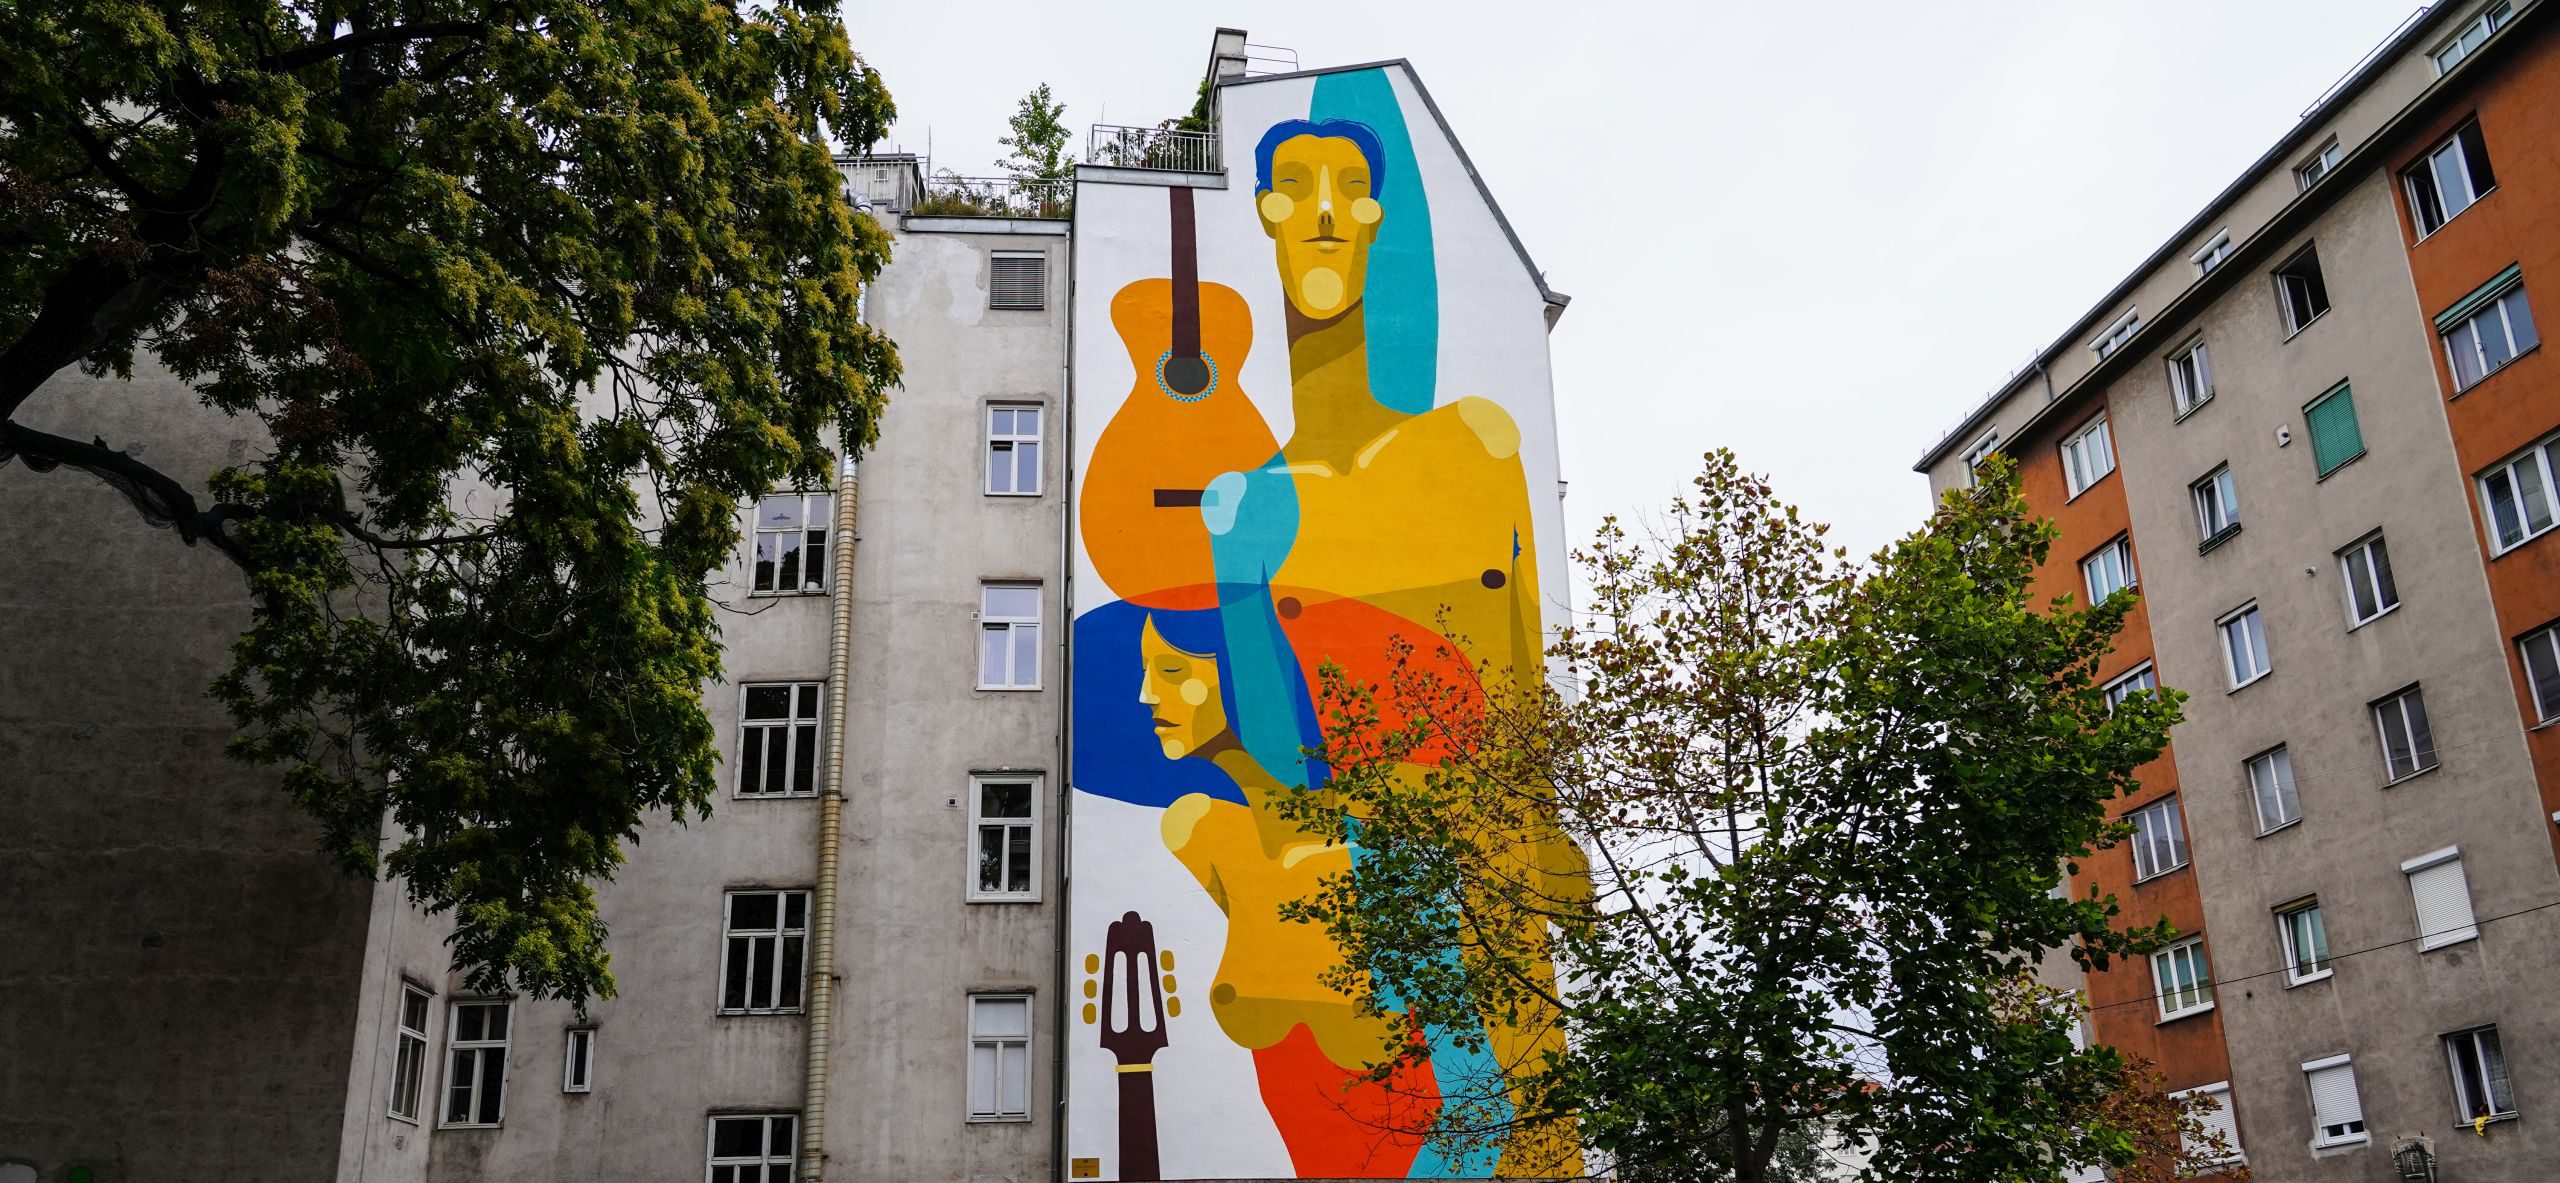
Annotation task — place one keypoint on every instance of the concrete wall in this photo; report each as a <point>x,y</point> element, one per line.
<point>178,963</point>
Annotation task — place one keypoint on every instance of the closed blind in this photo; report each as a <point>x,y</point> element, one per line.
<point>2443,897</point>
<point>2218,1120</point>
<point>2333,1100</point>
<point>1018,281</point>
<point>2335,438</point>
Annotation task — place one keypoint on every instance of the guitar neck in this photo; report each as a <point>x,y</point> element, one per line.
<point>1186,274</point>
<point>1138,1160</point>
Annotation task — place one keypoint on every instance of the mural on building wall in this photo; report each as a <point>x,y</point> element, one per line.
<point>1243,518</point>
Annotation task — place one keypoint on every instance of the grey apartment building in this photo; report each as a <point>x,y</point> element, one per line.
<point>2315,432</point>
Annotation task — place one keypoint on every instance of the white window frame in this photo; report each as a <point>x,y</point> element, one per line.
<point>2464,337</point>
<point>2542,677</point>
<point>2226,1118</point>
<point>2543,453</point>
<point>2159,833</point>
<point>2190,377</point>
<point>578,1059</point>
<point>1000,1043</point>
<point>2294,974</point>
<point>1979,452</point>
<point>1015,256</point>
<point>2117,334</point>
<point>980,824</point>
<point>2114,559</point>
<point>2278,765</point>
<point>2217,501</point>
<point>2212,254</point>
<point>2250,621</point>
<point>2463,1083</point>
<point>2321,1138</point>
<point>2424,181</point>
<point>1009,444</point>
<point>2140,677</point>
<point>2369,556</point>
<point>2322,161</point>
<point>411,1048</point>
<point>480,1050</point>
<point>817,511</point>
<point>2470,36</point>
<point>1008,628</point>
<point>2434,861</point>
<point>2395,705</point>
<point>767,954</point>
<point>2294,320</point>
<point>802,740</point>
<point>2088,456</point>
<point>764,1158</point>
<point>2191,998</point>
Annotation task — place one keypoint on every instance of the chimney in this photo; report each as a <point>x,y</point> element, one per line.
<point>1226,54</point>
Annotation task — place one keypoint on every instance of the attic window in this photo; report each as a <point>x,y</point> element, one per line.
<point>1018,279</point>
<point>2118,333</point>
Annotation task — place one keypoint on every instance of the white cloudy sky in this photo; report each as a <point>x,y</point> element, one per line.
<point>1816,234</point>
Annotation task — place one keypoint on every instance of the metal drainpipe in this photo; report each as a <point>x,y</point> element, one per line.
<point>822,906</point>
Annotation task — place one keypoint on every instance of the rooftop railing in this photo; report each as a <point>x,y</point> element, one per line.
<point>1164,148</point>
<point>947,195</point>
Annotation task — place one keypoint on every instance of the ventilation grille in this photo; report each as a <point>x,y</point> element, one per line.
<point>1018,281</point>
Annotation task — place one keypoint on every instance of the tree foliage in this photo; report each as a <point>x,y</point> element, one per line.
<point>1039,139</point>
<point>524,297</point>
<point>1827,806</point>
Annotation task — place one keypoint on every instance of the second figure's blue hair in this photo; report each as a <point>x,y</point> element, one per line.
<point>1356,132</point>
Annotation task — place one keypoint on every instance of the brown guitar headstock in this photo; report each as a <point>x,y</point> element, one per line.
<point>1133,1008</point>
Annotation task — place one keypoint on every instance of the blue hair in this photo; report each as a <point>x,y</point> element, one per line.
<point>1356,132</point>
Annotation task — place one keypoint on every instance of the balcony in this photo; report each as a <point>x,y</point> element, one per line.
<point>950,196</point>
<point>1162,149</point>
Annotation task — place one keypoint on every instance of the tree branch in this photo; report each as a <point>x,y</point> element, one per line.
<point>162,501</point>
<point>314,54</point>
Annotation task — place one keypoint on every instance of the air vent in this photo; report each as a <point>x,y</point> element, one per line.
<point>1018,279</point>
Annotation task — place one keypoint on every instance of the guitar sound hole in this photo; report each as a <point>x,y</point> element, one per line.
<point>1186,375</point>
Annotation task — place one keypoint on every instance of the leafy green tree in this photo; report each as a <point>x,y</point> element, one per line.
<point>1826,806</point>
<point>1038,139</point>
<point>589,263</point>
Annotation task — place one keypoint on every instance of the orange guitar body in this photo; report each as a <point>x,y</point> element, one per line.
<point>1140,513</point>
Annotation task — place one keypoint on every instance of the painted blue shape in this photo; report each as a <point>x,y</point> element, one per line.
<point>1403,290</point>
<point>1117,752</point>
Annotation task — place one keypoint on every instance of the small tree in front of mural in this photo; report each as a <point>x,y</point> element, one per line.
<point>1827,806</point>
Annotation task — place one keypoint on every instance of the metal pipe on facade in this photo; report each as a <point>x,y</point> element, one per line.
<point>822,904</point>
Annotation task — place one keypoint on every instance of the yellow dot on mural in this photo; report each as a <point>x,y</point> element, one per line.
<point>1195,692</point>
<point>1173,1007</point>
<point>1090,989</point>
<point>1276,207</point>
<point>1090,1013</point>
<point>1168,983</point>
<point>1093,963</point>
<point>1173,749</point>
<point>1322,288</point>
<point>1366,211</point>
<point>1165,959</point>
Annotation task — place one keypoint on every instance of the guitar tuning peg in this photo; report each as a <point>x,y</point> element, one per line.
<point>1090,1015</point>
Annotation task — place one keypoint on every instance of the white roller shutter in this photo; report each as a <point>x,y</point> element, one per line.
<point>2217,1120</point>
<point>2443,898</point>
<point>2336,1114</point>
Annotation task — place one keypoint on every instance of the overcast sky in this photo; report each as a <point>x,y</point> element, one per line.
<point>1816,234</point>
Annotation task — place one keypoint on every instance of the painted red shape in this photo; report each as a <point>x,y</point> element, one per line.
<point>1336,1124</point>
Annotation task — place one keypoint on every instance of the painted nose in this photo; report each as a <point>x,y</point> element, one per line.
<point>1324,189</point>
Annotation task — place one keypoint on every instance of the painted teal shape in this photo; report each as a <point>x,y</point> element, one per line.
<point>1403,296</point>
<point>1460,1071</point>
<point>1253,521</point>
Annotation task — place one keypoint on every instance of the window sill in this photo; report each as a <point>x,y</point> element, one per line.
<point>1008,689</point>
<point>2261,676</point>
<point>2161,874</point>
<point>793,1013</point>
<point>2181,1016</point>
<point>2350,1143</point>
<point>2353,625</point>
<point>2334,469</point>
<point>2456,216</point>
<point>974,1119</point>
<point>2521,543</point>
<point>787,595</point>
<point>2322,976</point>
<point>2192,408</point>
<point>471,1125</point>
<point>2305,326</point>
<point>2223,535</point>
<point>2494,1119</point>
<point>407,1121</point>
<point>2483,380</point>
<point>1031,898</point>
<point>2402,780</point>
<point>2279,828</point>
<point>2451,941</point>
<point>1032,494</point>
<point>812,795</point>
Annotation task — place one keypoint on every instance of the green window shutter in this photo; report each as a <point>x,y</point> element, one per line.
<point>2335,438</point>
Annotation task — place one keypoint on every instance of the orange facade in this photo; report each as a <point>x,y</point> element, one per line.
<point>2123,1010</point>
<point>2516,223</point>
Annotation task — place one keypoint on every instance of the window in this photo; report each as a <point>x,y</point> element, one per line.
<point>1013,451</point>
<point>763,965</point>
<point>778,740</point>
<point>1018,279</point>
<point>2517,495</point>
<point>1009,637</point>
<point>2212,253</point>
<point>2480,1085</point>
<point>578,1061</point>
<point>2217,505</point>
<point>2306,942</point>
<point>2123,688</point>
<point>2159,839</point>
<point>1000,1058</point>
<point>475,1066</point>
<point>2488,329</point>
<point>2454,175</point>
<point>2087,456</point>
<point>2186,984</point>
<point>2244,646</point>
<point>2271,787</point>
<point>1003,820</point>
<point>2368,586</point>
<point>1979,452</point>
<point>2442,896</point>
<point>2220,1126</point>
<point>2108,570</point>
<point>753,1148</point>
<point>2460,45</point>
<point>2337,1117</point>
<point>2408,745</point>
<point>2319,164</point>
<point>2117,334</point>
<point>791,542</point>
<point>2541,650</point>
<point>2302,291</point>
<point>2190,377</point>
<point>2335,438</point>
<point>409,1069</point>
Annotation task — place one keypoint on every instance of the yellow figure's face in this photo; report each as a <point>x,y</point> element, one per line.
<point>1319,214</point>
<point>1182,689</point>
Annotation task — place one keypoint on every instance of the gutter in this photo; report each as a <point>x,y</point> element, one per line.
<point>822,904</point>
<point>1062,790</point>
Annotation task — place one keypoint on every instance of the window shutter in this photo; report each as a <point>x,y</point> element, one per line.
<point>1018,281</point>
<point>2443,897</point>
<point>2220,1120</point>
<point>2335,438</point>
<point>2333,1097</point>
